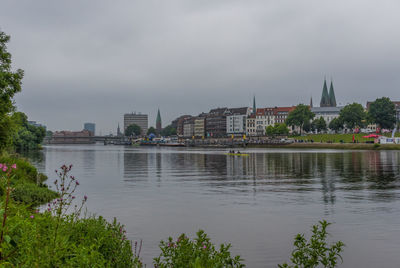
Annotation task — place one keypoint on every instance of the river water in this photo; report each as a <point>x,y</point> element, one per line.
<point>257,203</point>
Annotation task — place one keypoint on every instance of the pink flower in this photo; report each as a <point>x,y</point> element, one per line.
<point>204,246</point>
<point>14,166</point>
<point>1,165</point>
<point>32,216</point>
<point>4,168</point>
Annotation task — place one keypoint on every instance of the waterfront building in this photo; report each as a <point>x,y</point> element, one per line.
<point>200,126</point>
<point>138,119</point>
<point>327,113</point>
<point>90,127</point>
<point>178,124</point>
<point>251,125</point>
<point>216,123</point>
<point>236,121</point>
<point>158,123</point>
<point>188,128</point>
<point>281,113</point>
<point>72,137</point>
<point>264,117</point>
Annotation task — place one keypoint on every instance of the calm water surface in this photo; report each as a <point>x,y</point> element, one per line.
<point>257,203</point>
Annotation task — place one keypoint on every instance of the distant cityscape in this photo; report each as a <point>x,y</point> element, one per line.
<point>225,122</point>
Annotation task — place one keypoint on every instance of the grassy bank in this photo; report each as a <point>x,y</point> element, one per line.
<point>336,138</point>
<point>339,146</point>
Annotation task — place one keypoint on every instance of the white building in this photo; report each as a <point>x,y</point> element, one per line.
<point>188,128</point>
<point>236,121</point>
<point>327,113</point>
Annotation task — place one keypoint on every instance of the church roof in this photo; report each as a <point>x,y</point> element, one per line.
<point>325,102</point>
<point>158,116</point>
<point>332,98</point>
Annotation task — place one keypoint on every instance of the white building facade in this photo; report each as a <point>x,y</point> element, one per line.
<point>327,113</point>
<point>236,121</point>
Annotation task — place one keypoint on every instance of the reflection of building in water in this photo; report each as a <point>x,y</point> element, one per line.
<point>89,160</point>
<point>235,166</point>
<point>136,165</point>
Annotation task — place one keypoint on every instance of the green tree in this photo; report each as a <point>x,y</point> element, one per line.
<point>336,124</point>
<point>319,124</point>
<point>132,130</point>
<point>352,115</point>
<point>27,136</point>
<point>151,130</point>
<point>383,113</point>
<point>279,129</point>
<point>300,116</point>
<point>168,131</point>
<point>10,84</point>
<point>270,131</point>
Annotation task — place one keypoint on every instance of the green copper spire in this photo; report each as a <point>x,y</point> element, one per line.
<point>325,97</point>
<point>332,98</point>
<point>158,123</point>
<point>254,105</point>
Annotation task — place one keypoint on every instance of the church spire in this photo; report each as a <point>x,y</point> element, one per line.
<point>311,104</point>
<point>332,98</point>
<point>158,123</point>
<point>325,97</point>
<point>254,105</point>
<point>119,131</point>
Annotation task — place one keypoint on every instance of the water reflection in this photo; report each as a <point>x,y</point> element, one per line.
<point>275,171</point>
<point>136,166</point>
<point>257,202</point>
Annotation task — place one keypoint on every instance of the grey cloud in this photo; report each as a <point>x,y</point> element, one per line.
<point>95,60</point>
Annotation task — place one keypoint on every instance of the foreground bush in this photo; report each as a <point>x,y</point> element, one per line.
<point>315,252</point>
<point>57,237</point>
<point>196,253</point>
<point>91,242</point>
<point>27,183</point>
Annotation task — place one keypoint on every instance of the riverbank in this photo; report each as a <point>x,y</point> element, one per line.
<point>341,146</point>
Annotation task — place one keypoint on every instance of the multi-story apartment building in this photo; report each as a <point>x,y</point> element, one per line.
<point>138,119</point>
<point>188,128</point>
<point>199,126</point>
<point>251,125</point>
<point>178,124</point>
<point>281,113</point>
<point>216,122</point>
<point>236,121</point>
<point>264,117</point>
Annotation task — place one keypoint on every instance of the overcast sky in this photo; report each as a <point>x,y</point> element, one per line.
<point>93,61</point>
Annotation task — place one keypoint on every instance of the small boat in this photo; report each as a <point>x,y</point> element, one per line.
<point>237,154</point>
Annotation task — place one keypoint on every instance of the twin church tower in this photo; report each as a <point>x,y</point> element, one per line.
<point>328,99</point>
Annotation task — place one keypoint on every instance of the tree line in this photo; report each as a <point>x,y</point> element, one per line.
<point>381,112</point>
